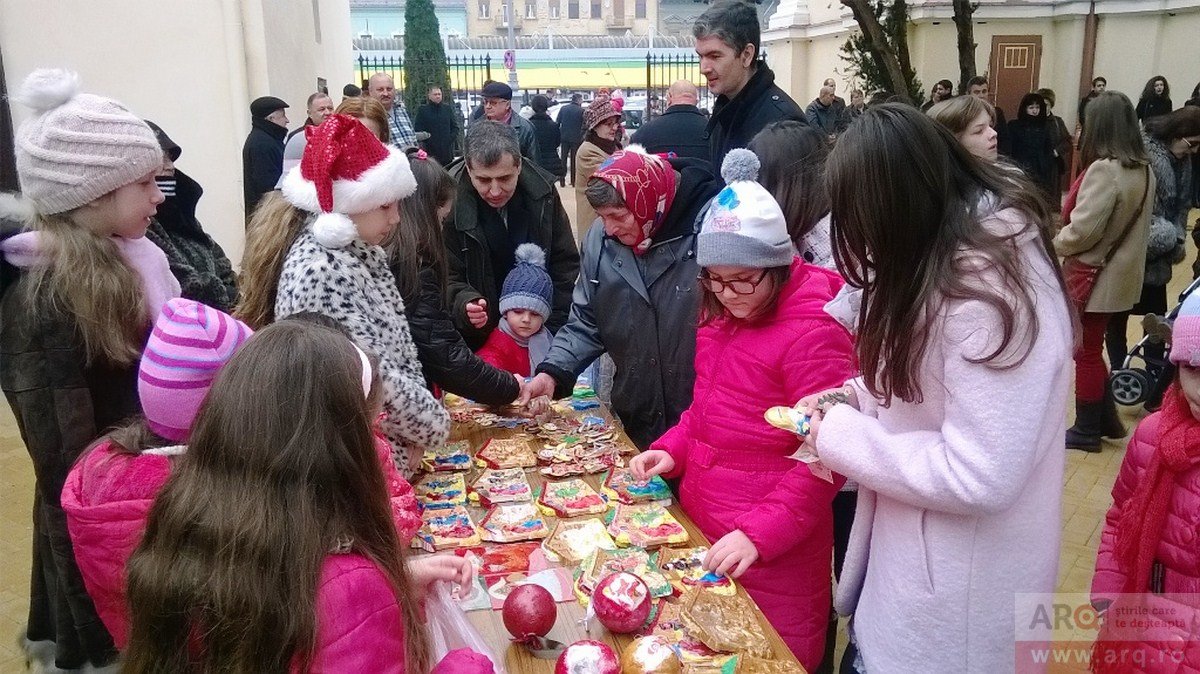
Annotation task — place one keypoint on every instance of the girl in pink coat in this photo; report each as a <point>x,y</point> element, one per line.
<point>1149,564</point>
<point>764,339</point>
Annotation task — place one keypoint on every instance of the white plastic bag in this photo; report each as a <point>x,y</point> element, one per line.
<point>449,628</point>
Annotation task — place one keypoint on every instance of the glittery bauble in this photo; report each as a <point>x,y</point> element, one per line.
<point>622,602</point>
<point>650,655</point>
<point>587,657</point>
<point>529,609</point>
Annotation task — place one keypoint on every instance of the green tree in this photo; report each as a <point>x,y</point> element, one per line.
<point>878,55</point>
<point>424,57</point>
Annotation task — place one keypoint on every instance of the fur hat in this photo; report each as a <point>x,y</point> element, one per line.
<point>744,226</point>
<point>345,170</point>
<point>528,286</point>
<point>78,147</point>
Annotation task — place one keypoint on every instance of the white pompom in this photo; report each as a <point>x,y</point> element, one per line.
<point>47,88</point>
<point>531,253</point>
<point>334,230</point>
<point>16,209</point>
<point>740,164</point>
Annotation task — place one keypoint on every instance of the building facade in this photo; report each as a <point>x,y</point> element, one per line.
<point>385,18</point>
<point>561,17</point>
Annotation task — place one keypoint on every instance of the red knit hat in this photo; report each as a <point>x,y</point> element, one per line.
<point>345,170</point>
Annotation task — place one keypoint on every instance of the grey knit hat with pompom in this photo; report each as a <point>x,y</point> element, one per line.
<point>743,226</point>
<point>78,147</point>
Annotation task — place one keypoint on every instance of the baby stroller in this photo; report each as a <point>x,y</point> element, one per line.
<point>1131,385</point>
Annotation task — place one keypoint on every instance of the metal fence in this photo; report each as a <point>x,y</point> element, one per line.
<point>662,71</point>
<point>467,73</point>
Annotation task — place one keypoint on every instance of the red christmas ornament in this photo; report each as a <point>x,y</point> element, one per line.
<point>622,602</point>
<point>529,610</point>
<point>588,657</point>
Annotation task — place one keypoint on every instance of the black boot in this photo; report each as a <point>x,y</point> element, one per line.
<point>1110,420</point>
<point>1085,434</point>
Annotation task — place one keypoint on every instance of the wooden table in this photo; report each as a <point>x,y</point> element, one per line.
<point>568,629</point>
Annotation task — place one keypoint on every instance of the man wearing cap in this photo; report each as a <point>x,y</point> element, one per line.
<point>382,88</point>
<point>262,154</point>
<point>497,106</point>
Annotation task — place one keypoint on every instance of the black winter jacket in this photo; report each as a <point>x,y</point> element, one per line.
<point>439,121</point>
<point>680,130</point>
<point>548,140</point>
<point>445,358</point>
<point>470,261</point>
<point>735,121</point>
<point>262,161</point>
<point>642,312</point>
<point>570,123</point>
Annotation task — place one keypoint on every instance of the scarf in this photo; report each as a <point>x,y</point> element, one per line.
<point>538,345</point>
<point>646,183</point>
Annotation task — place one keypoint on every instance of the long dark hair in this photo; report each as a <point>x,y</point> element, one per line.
<point>907,205</point>
<point>793,157</point>
<point>225,579</point>
<point>1112,132</point>
<point>1148,90</point>
<point>418,241</point>
<point>1029,99</point>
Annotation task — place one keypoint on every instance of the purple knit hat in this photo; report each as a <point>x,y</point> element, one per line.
<point>190,343</point>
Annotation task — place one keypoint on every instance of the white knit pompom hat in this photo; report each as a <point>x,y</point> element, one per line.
<point>78,147</point>
<point>743,226</point>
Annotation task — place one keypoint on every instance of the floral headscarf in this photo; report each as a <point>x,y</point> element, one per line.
<point>646,183</point>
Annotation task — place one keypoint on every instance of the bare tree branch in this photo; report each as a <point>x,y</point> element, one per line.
<point>877,43</point>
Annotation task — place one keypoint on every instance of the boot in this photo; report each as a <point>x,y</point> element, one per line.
<point>1085,434</point>
<point>1110,420</point>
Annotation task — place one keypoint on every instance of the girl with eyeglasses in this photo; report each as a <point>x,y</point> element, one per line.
<point>764,340</point>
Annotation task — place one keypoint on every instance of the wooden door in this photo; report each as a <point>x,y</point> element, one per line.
<point>1015,63</point>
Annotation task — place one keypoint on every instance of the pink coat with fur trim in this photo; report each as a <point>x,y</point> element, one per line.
<point>735,466</point>
<point>107,498</point>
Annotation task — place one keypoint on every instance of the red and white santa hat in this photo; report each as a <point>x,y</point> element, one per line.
<point>345,170</point>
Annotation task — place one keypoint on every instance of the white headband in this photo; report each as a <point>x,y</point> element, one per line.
<point>367,373</point>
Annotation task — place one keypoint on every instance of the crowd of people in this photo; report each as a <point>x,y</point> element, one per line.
<point>222,460</point>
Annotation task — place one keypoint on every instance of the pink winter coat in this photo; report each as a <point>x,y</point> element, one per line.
<point>735,466</point>
<point>107,498</point>
<point>1178,551</point>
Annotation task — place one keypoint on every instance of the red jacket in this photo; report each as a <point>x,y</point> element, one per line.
<point>503,352</point>
<point>107,498</point>
<point>735,466</point>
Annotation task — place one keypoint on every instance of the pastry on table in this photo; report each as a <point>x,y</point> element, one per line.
<point>646,525</point>
<point>507,453</point>
<point>725,623</point>
<point>501,485</point>
<point>446,528</point>
<point>441,490</point>
<point>684,567</point>
<point>451,456</point>
<point>625,488</point>
<point>574,540</point>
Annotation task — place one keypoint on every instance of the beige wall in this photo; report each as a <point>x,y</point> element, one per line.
<point>585,25</point>
<point>190,66</point>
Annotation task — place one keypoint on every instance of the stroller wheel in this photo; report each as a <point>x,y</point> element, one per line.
<point>1129,387</point>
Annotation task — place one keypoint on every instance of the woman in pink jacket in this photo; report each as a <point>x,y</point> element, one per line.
<point>764,340</point>
<point>272,546</point>
<point>108,493</point>
<point>1148,567</point>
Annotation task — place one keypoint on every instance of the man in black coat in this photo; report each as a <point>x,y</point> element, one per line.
<point>680,129</point>
<point>727,39</point>
<point>438,119</point>
<point>570,127</point>
<point>262,154</point>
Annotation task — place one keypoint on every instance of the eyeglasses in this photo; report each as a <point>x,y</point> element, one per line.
<point>738,286</point>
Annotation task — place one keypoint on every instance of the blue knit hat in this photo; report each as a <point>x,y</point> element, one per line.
<point>528,286</point>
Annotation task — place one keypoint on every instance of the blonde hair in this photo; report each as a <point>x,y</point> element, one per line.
<point>272,230</point>
<point>90,281</point>
<point>365,106</point>
<point>956,114</point>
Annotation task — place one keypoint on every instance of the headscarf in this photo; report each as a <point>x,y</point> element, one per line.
<point>646,183</point>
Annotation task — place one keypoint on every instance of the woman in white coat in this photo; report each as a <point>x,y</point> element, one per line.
<point>954,429</point>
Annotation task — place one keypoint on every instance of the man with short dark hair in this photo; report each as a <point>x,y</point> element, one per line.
<point>825,114</point>
<point>262,153</point>
<point>978,87</point>
<point>679,129</point>
<point>497,107</point>
<point>502,200</point>
<point>382,88</point>
<point>570,127</point>
<point>1099,84</point>
<point>727,41</point>
<point>440,121</point>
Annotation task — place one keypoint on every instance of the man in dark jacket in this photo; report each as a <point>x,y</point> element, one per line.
<point>197,262</point>
<point>826,114</point>
<point>640,310</point>
<point>570,126</point>
<point>680,129</point>
<point>497,107</point>
<point>501,202</point>
<point>262,154</point>
<point>440,121</point>
<point>727,40</point>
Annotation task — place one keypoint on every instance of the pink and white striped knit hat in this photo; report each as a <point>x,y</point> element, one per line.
<point>190,343</point>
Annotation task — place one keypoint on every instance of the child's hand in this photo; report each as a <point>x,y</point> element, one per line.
<point>426,569</point>
<point>814,426</point>
<point>477,312</point>
<point>821,402</point>
<point>731,555</point>
<point>650,463</point>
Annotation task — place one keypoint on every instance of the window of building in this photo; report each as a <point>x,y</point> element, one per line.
<point>639,9</point>
<point>485,9</point>
<point>554,9</point>
<point>595,9</point>
<point>530,10</point>
<point>572,9</point>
